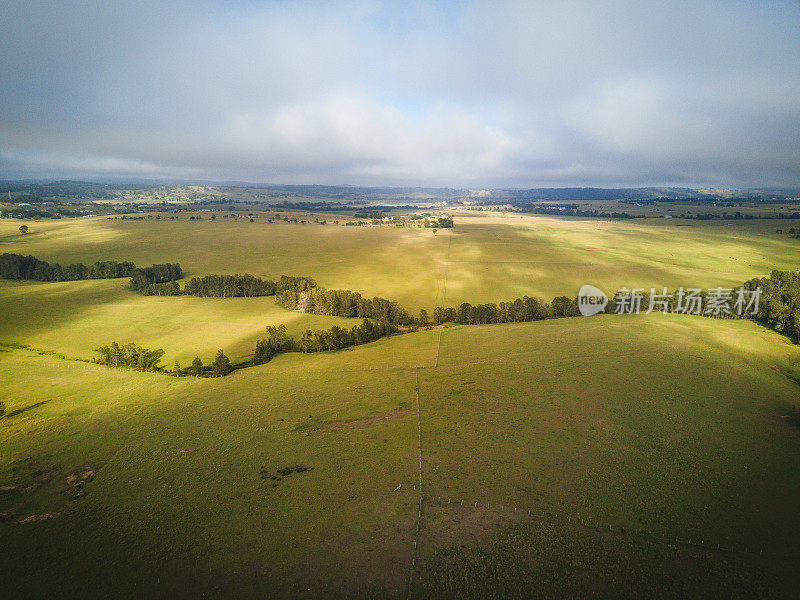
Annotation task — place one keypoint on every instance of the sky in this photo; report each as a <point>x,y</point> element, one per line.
<point>452,94</point>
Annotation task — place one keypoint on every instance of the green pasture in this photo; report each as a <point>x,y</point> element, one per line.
<point>75,317</point>
<point>602,457</point>
<point>614,456</point>
<point>486,258</point>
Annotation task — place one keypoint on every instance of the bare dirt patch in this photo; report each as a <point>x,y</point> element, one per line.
<point>75,482</point>
<point>29,484</point>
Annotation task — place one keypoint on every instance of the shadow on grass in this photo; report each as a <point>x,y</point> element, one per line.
<point>19,411</point>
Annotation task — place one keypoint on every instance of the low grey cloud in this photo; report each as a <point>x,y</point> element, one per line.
<point>478,94</point>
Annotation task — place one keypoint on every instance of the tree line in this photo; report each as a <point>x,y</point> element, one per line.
<point>210,286</point>
<point>229,286</point>
<point>144,277</point>
<point>17,266</point>
<point>130,355</point>
<point>335,338</point>
<point>303,294</point>
<point>276,342</point>
<point>779,310</point>
<point>516,311</point>
<point>572,210</point>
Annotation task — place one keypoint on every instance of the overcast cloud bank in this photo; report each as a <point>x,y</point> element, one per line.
<point>478,94</point>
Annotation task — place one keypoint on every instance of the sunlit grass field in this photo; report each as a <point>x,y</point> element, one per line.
<point>76,317</point>
<point>487,258</point>
<point>616,456</point>
<point>658,442</point>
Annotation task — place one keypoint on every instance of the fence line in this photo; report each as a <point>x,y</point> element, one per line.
<point>421,496</point>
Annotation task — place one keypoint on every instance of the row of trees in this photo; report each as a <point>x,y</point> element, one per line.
<point>516,311</point>
<point>219,368</point>
<point>210,286</point>
<point>335,338</point>
<point>276,342</point>
<point>147,359</point>
<point>130,355</point>
<point>779,310</point>
<point>301,293</point>
<point>572,210</point>
<point>229,286</point>
<point>17,266</point>
<point>522,309</point>
<point>143,278</point>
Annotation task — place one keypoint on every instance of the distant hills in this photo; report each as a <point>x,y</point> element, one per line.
<point>347,193</point>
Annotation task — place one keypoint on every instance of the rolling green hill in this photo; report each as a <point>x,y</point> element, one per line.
<point>613,456</point>
<point>635,453</point>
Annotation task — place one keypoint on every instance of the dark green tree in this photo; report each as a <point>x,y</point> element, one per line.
<point>197,367</point>
<point>221,365</point>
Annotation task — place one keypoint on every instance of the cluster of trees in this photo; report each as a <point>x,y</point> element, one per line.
<point>779,304</point>
<point>168,288</point>
<point>301,293</point>
<point>142,279</point>
<point>229,286</point>
<point>130,355</point>
<point>335,338</point>
<point>276,342</point>
<point>209,286</point>
<point>16,266</point>
<point>516,311</point>
<point>219,368</point>
<point>443,222</point>
<point>289,290</point>
<point>794,232</point>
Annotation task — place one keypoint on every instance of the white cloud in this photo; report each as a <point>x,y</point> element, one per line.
<point>509,93</point>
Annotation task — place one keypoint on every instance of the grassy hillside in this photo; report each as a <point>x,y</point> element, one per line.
<point>610,456</point>
<point>74,317</point>
<point>486,258</point>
